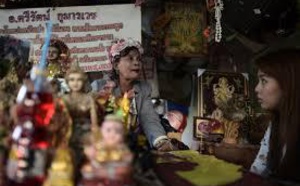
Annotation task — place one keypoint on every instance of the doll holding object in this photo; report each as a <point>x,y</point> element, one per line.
<point>109,158</point>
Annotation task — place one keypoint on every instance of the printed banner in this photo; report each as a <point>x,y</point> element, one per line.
<point>86,30</point>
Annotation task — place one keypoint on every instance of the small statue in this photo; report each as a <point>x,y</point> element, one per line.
<point>57,63</point>
<point>57,59</point>
<point>82,109</point>
<point>108,159</point>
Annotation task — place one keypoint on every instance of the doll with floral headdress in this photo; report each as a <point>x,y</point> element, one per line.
<point>108,157</point>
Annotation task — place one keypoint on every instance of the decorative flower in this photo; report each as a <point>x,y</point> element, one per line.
<point>121,44</point>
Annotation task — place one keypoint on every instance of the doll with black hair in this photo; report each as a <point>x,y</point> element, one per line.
<point>57,59</point>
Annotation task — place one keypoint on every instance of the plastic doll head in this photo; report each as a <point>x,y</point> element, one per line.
<point>58,50</point>
<point>112,130</point>
<point>76,79</point>
<point>53,53</point>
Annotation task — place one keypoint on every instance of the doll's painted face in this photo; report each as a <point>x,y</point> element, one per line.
<point>53,53</point>
<point>75,82</point>
<point>112,132</point>
<point>129,66</point>
<point>268,91</point>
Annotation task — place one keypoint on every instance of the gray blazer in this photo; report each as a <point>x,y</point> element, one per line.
<point>147,117</point>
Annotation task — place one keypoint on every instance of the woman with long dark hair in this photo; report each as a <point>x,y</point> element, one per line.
<point>278,91</point>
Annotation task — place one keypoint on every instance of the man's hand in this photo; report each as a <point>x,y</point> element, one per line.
<point>166,145</point>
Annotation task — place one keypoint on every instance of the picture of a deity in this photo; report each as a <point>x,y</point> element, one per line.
<point>222,97</point>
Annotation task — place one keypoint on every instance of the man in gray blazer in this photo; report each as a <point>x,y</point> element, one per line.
<point>147,119</point>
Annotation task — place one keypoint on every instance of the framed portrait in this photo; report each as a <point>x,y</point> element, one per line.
<point>223,97</point>
<point>226,91</point>
<point>208,129</point>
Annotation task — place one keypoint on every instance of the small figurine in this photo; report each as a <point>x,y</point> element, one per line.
<point>57,63</point>
<point>82,109</point>
<point>108,159</point>
<point>57,59</point>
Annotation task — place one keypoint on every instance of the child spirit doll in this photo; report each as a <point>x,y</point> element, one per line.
<point>57,59</point>
<point>108,159</point>
<point>58,62</point>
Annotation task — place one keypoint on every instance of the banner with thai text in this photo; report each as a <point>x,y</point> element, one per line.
<point>87,30</point>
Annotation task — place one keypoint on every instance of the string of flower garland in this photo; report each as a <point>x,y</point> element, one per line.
<point>219,6</point>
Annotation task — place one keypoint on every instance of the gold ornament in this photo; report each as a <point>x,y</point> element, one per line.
<point>61,170</point>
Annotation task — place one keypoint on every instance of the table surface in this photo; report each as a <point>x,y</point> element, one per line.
<point>167,174</point>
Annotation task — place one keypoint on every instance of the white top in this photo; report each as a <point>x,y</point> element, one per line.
<point>260,163</point>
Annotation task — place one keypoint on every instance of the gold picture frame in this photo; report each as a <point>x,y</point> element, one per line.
<point>205,129</point>
<point>215,86</point>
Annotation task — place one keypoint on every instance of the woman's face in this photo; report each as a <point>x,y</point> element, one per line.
<point>53,53</point>
<point>268,91</point>
<point>75,82</point>
<point>112,133</point>
<point>129,66</point>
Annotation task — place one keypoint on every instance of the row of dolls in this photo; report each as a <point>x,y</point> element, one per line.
<point>67,140</point>
<point>62,132</point>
